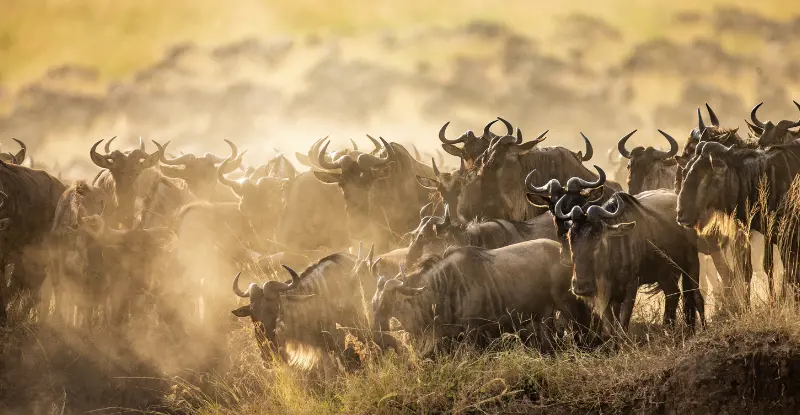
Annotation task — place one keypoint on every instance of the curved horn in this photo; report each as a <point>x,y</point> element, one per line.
<point>107,148</point>
<point>101,160</point>
<point>589,150</point>
<point>435,169</point>
<point>558,213</point>
<point>322,161</point>
<point>182,160</point>
<point>601,212</point>
<point>370,161</point>
<point>234,185</point>
<point>701,126</point>
<point>714,120</point>
<point>536,189</point>
<point>141,145</point>
<point>673,148</point>
<point>621,146</point>
<point>20,156</point>
<point>238,291</point>
<point>375,143</point>
<point>295,279</point>
<point>509,127</point>
<point>796,124</point>
<point>754,118</point>
<point>592,185</point>
<point>355,146</point>
<point>417,156</point>
<point>444,139</point>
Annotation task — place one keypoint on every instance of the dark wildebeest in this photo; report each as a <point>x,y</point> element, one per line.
<point>29,200</point>
<point>118,178</point>
<point>378,190</point>
<point>507,164</point>
<point>724,181</point>
<point>631,241</point>
<point>278,166</point>
<point>291,317</point>
<point>648,168</point>
<point>446,186</point>
<point>310,158</point>
<point>17,158</point>
<point>770,134</point>
<point>473,146</point>
<point>200,173</point>
<point>437,233</point>
<point>479,294</point>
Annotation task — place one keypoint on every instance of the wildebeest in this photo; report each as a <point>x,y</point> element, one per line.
<point>649,168</point>
<point>631,241</point>
<point>447,186</point>
<point>509,162</point>
<point>304,312</point>
<point>29,203</point>
<point>200,173</point>
<point>17,158</point>
<point>377,191</point>
<point>118,178</point>
<point>437,233</point>
<point>723,181</point>
<point>473,146</point>
<point>479,294</point>
<point>770,134</point>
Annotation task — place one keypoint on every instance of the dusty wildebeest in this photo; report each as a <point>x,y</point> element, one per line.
<point>377,191</point>
<point>649,168</point>
<point>631,241</point>
<point>29,199</point>
<point>295,316</point>
<point>200,173</point>
<point>769,133</point>
<point>724,181</point>
<point>478,294</point>
<point>473,146</point>
<point>121,170</point>
<point>445,186</point>
<point>437,233</point>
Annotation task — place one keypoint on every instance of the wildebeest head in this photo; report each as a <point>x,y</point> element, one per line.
<point>447,185</point>
<point>560,199</point>
<point>590,241</point>
<point>703,192</point>
<point>261,201</point>
<point>125,167</point>
<point>91,200</point>
<point>17,158</point>
<point>433,235</point>
<point>647,166</point>
<point>386,295</point>
<point>356,176</point>
<point>264,308</point>
<point>199,173</point>
<point>713,132</point>
<point>473,146</point>
<point>770,134</point>
<point>134,241</point>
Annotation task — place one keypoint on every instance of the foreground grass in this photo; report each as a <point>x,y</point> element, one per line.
<point>120,37</point>
<point>724,366</point>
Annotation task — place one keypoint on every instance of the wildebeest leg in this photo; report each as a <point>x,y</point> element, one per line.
<point>3,294</point>
<point>690,294</point>
<point>769,266</point>
<point>672,296</point>
<point>547,327</point>
<point>626,308</point>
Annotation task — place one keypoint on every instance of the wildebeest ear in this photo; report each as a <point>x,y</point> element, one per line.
<point>411,291</point>
<point>150,160</point>
<point>243,311</point>
<point>620,229</point>
<point>538,200</point>
<point>452,150</point>
<point>682,160</point>
<point>5,223</point>
<point>298,297</point>
<point>428,183</point>
<point>593,195</point>
<point>303,159</point>
<point>330,178</point>
<point>527,146</point>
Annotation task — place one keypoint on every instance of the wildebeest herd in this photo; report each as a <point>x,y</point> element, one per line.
<point>518,238</point>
